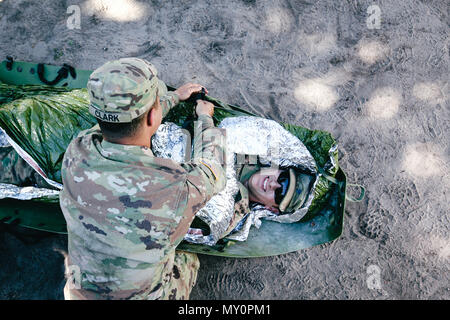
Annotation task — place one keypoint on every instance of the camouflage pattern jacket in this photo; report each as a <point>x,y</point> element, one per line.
<point>127,210</point>
<point>242,204</point>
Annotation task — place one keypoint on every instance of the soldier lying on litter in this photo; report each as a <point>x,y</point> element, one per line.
<point>279,190</point>
<point>264,180</point>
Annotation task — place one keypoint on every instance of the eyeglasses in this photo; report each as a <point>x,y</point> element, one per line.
<point>283,180</point>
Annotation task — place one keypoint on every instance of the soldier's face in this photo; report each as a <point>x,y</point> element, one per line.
<point>262,186</point>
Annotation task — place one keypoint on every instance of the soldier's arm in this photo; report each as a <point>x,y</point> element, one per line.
<point>205,173</point>
<point>208,161</point>
<point>172,98</point>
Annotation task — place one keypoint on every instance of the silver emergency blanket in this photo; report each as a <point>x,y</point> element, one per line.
<point>25,193</point>
<point>171,142</point>
<point>251,136</point>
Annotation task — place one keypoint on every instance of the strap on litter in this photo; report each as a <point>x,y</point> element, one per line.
<point>361,195</point>
<point>330,178</point>
<point>63,73</point>
<point>340,184</point>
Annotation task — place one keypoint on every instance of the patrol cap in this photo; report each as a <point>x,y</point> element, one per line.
<point>297,190</point>
<point>122,90</point>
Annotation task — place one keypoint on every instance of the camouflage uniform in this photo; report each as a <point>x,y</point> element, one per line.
<point>242,204</point>
<point>127,210</point>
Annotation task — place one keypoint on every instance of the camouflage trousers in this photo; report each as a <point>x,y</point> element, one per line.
<point>178,285</point>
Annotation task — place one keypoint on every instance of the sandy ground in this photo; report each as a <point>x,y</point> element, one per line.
<point>383,93</point>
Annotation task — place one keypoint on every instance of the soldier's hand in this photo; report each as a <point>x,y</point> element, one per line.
<point>204,107</point>
<point>185,91</point>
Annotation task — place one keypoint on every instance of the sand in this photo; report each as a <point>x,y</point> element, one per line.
<point>382,93</point>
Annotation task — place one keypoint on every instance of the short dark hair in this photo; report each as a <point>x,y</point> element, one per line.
<point>121,130</point>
